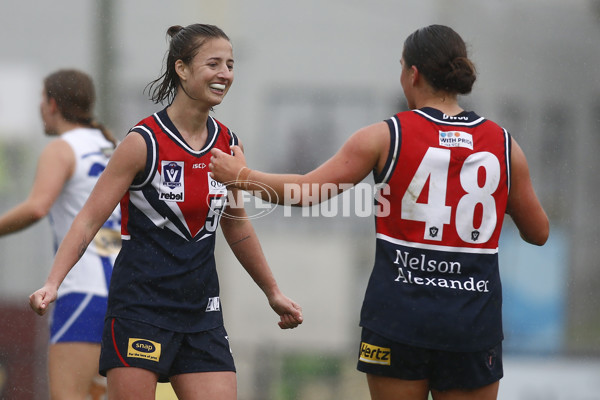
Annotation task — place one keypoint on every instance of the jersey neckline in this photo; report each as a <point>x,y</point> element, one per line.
<point>162,117</point>
<point>465,118</point>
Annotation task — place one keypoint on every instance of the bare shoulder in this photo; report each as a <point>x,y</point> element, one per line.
<point>129,157</point>
<point>57,158</point>
<point>58,148</point>
<point>133,146</point>
<point>378,130</point>
<point>372,138</point>
<point>372,142</point>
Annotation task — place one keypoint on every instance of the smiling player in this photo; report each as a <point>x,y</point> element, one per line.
<point>164,318</point>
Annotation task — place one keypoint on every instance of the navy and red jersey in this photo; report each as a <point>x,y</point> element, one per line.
<point>441,203</point>
<point>165,274</point>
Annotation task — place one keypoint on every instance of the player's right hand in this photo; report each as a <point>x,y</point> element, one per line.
<point>226,168</point>
<point>41,299</point>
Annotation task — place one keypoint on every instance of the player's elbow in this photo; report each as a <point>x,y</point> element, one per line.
<point>37,211</point>
<point>539,236</point>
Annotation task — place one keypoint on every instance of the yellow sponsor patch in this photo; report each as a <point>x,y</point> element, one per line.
<point>374,354</point>
<point>143,348</point>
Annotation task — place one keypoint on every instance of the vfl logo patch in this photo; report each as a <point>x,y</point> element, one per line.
<point>172,174</point>
<point>172,186</point>
<point>143,348</point>
<point>456,139</point>
<point>374,354</point>
<point>214,304</point>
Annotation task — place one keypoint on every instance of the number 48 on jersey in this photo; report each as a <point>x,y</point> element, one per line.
<point>475,216</point>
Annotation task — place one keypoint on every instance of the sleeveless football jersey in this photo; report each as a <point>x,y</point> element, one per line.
<point>444,189</point>
<point>92,272</point>
<point>165,274</point>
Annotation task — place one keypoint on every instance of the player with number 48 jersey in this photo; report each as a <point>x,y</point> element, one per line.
<point>432,312</point>
<point>442,237</point>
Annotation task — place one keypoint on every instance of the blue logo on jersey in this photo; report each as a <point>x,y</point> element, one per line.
<point>172,175</point>
<point>96,169</point>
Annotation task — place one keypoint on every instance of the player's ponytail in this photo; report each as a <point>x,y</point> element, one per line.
<point>105,132</point>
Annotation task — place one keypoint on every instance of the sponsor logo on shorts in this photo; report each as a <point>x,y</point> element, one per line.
<point>144,348</point>
<point>375,354</point>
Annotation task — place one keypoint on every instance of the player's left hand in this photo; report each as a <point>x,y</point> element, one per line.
<point>289,321</point>
<point>290,313</point>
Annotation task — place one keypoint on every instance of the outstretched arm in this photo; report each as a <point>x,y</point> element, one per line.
<point>523,205</point>
<point>364,151</point>
<point>55,167</point>
<point>244,243</point>
<point>129,159</point>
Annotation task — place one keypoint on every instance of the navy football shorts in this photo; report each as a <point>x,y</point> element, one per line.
<point>77,317</point>
<point>444,370</point>
<point>128,343</point>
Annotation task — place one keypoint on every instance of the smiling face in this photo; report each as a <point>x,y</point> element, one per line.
<point>209,75</point>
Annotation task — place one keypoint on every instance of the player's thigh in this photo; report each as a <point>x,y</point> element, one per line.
<point>387,388</point>
<point>126,383</point>
<point>72,366</point>
<point>489,392</point>
<point>220,385</point>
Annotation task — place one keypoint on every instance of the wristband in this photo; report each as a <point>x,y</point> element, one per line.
<point>241,181</point>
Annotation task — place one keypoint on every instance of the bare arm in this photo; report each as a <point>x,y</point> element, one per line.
<point>244,243</point>
<point>129,159</point>
<point>364,151</point>
<point>55,167</point>
<point>523,204</point>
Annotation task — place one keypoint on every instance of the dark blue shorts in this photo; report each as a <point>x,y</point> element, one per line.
<point>77,317</point>
<point>128,343</point>
<point>444,370</point>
